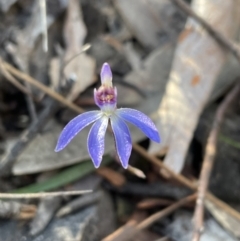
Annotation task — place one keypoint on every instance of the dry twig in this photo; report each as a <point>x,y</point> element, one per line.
<point>209,160</point>
<point>41,194</point>
<point>13,80</point>
<point>150,203</point>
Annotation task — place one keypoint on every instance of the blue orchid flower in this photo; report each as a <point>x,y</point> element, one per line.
<point>106,99</point>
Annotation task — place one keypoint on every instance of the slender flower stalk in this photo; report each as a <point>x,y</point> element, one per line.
<point>106,99</point>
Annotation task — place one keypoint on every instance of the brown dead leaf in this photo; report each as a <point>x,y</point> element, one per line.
<point>153,202</point>
<point>115,178</point>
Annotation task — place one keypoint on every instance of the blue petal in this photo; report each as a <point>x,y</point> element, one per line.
<point>122,139</point>
<point>141,121</point>
<point>96,140</point>
<point>75,126</point>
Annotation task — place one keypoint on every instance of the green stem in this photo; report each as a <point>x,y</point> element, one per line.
<point>62,178</point>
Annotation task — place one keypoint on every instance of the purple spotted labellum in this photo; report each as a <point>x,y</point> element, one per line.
<point>106,99</point>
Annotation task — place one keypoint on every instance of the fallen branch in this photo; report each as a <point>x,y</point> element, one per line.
<point>209,160</point>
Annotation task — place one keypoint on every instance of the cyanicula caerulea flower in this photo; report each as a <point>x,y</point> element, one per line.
<point>106,99</point>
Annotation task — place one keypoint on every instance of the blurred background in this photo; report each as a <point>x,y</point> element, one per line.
<point>178,62</point>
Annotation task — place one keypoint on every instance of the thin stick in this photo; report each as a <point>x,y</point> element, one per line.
<point>208,161</point>
<point>41,194</point>
<point>13,80</point>
<point>42,87</point>
<point>221,39</point>
<point>159,215</point>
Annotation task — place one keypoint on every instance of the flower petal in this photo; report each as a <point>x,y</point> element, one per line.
<point>122,139</point>
<point>141,121</point>
<point>106,75</point>
<point>75,126</point>
<point>96,140</point>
